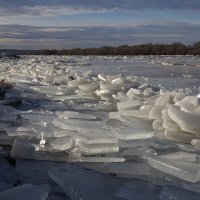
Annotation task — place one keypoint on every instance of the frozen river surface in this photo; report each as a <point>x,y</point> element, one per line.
<point>169,71</point>
<point>132,121</point>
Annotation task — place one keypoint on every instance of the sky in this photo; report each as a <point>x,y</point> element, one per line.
<point>57,24</point>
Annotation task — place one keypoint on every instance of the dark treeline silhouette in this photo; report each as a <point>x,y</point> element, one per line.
<point>143,49</point>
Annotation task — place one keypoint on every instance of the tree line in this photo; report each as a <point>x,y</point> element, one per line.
<point>143,49</point>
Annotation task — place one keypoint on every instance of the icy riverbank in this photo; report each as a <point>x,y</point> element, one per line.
<point>146,136</point>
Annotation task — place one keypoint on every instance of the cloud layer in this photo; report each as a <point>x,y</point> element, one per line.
<point>88,30</point>
<point>65,7</point>
<point>20,36</point>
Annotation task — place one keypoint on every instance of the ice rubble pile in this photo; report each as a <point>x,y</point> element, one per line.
<point>109,123</point>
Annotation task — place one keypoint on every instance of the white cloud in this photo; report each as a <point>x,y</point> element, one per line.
<point>60,29</point>
<point>59,10</point>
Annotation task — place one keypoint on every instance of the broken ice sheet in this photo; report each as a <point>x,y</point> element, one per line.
<point>62,143</point>
<point>174,193</point>
<point>187,148</point>
<point>5,186</point>
<point>137,123</point>
<point>181,155</point>
<point>168,122</point>
<point>130,133</point>
<point>51,131</point>
<point>128,169</point>
<point>97,138</point>
<point>8,118</point>
<point>128,105</point>
<point>73,97</point>
<point>9,110</point>
<point>47,90</point>
<point>101,106</point>
<point>95,159</point>
<point>20,131</point>
<point>8,173</point>
<point>180,137</point>
<point>78,183</point>
<point>139,190</point>
<point>187,171</point>
<point>92,149</point>
<point>3,152</point>
<point>187,121</point>
<point>90,86</point>
<point>139,151</point>
<point>75,115</point>
<point>135,143</point>
<point>36,171</point>
<point>156,112</point>
<point>161,178</point>
<point>4,125</point>
<point>39,118</point>
<point>143,113</point>
<point>164,99</point>
<point>22,149</point>
<point>85,93</point>
<point>26,191</point>
<point>77,124</point>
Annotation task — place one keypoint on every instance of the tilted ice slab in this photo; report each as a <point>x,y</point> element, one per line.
<point>144,113</point>
<point>78,183</point>
<point>156,112</point>
<point>98,160</point>
<point>164,99</point>
<point>19,131</point>
<point>138,190</point>
<point>8,173</point>
<point>178,136</point>
<point>128,105</point>
<point>22,149</point>
<point>137,123</point>
<point>50,131</point>
<point>93,149</point>
<point>76,83</point>
<point>139,151</point>
<point>168,123</point>
<point>24,192</point>
<point>182,156</point>
<point>75,124</point>
<point>187,106</point>
<point>73,97</point>
<point>187,171</point>
<point>173,193</point>
<point>187,121</point>
<point>112,87</point>
<point>94,106</point>
<point>97,138</point>
<point>9,110</point>
<point>36,172</point>
<point>47,90</point>
<point>90,86</point>
<point>39,118</point>
<point>128,169</point>
<point>86,93</point>
<point>62,143</point>
<point>130,133</point>
<point>75,115</point>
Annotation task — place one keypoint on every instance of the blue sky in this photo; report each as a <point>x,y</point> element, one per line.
<point>35,24</point>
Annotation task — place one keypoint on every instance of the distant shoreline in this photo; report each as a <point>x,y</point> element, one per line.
<point>134,50</point>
